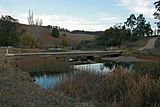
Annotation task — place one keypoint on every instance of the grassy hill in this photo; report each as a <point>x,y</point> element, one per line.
<point>44,37</point>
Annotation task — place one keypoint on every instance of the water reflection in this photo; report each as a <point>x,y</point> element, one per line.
<point>48,80</point>
<point>53,80</point>
<point>95,68</point>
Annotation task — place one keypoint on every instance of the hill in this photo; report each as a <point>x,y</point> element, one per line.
<point>45,38</point>
<point>87,32</point>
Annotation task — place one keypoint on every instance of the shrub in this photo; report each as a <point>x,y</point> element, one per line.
<point>65,43</point>
<point>28,40</point>
<point>55,33</point>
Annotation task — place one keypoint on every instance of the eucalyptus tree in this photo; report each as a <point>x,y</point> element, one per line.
<point>131,22</point>
<point>8,32</point>
<point>139,26</point>
<point>157,13</point>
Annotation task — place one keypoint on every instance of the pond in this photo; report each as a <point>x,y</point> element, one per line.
<point>48,81</point>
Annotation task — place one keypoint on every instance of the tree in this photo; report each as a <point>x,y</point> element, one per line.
<point>9,19</point>
<point>8,32</point>
<point>48,27</point>
<point>157,13</point>
<point>38,22</point>
<point>148,29</point>
<point>30,18</point>
<point>55,32</point>
<point>113,36</point>
<point>143,28</point>
<point>139,27</point>
<point>131,22</point>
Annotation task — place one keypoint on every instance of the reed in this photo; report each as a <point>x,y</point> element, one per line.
<point>116,89</point>
<point>44,64</point>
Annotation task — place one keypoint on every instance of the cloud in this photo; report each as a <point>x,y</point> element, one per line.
<point>101,21</point>
<point>17,15</point>
<point>145,7</point>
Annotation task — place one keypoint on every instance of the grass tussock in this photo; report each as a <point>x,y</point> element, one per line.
<point>116,89</point>
<point>152,69</point>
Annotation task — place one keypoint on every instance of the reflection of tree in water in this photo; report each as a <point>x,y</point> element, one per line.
<point>109,65</point>
<point>127,66</point>
<point>122,65</point>
<point>102,67</point>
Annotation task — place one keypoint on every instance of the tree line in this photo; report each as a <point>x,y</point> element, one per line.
<point>133,29</point>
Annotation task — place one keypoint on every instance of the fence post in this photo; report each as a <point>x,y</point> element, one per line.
<point>7,51</point>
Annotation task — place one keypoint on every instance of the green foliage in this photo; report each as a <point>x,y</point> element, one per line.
<point>138,26</point>
<point>64,43</point>
<point>87,32</point>
<point>157,13</point>
<point>9,19</point>
<point>8,33</point>
<point>28,40</point>
<point>55,32</point>
<point>83,45</point>
<point>131,22</point>
<point>113,36</point>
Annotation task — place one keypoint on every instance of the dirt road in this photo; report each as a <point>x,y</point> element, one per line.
<point>150,44</point>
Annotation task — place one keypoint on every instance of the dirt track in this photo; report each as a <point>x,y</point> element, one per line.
<point>150,44</point>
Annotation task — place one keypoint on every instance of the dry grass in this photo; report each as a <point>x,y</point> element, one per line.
<point>117,89</point>
<point>46,40</point>
<point>138,44</point>
<point>18,90</point>
<point>50,64</point>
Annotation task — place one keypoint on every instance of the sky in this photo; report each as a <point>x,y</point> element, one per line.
<point>90,15</point>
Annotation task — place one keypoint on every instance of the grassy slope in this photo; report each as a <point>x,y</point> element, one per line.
<point>17,89</point>
<point>138,44</point>
<point>76,38</point>
<point>45,38</point>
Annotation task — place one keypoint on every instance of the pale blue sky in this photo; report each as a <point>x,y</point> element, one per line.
<point>78,14</point>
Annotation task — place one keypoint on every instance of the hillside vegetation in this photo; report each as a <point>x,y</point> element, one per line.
<point>12,33</point>
<point>45,38</point>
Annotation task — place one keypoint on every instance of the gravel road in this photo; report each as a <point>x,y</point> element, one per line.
<point>150,44</point>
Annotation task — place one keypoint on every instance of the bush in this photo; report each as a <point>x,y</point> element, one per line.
<point>28,40</point>
<point>55,33</point>
<point>65,43</point>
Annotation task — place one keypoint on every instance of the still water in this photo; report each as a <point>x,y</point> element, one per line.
<point>47,81</point>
